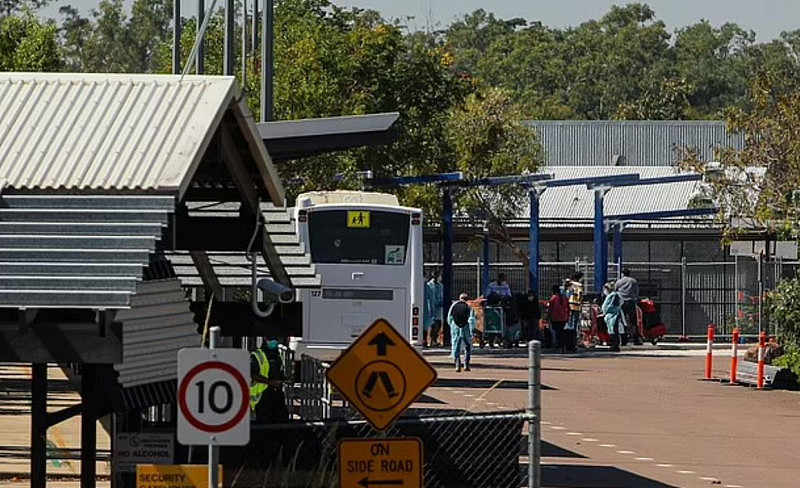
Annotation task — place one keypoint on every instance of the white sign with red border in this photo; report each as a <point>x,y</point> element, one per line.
<point>213,397</point>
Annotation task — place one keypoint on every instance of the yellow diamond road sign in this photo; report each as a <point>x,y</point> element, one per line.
<point>381,374</point>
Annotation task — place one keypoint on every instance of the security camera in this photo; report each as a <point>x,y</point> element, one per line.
<point>275,292</point>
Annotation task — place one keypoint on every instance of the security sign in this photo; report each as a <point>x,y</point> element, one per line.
<point>380,463</point>
<point>381,374</point>
<point>213,397</point>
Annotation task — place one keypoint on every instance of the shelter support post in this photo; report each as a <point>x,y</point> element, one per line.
<point>39,425</point>
<point>485,267</point>
<point>600,242</point>
<point>447,251</point>
<point>618,228</point>
<point>88,425</point>
<point>533,240</point>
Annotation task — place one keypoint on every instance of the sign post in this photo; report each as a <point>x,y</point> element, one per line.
<point>381,375</point>
<point>213,400</point>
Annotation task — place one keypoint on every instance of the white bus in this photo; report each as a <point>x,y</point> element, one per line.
<point>368,251</point>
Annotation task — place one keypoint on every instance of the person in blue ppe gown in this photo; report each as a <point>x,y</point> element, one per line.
<point>461,318</point>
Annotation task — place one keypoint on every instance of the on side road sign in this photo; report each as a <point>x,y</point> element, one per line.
<point>173,476</point>
<point>381,374</point>
<point>213,397</point>
<point>380,463</point>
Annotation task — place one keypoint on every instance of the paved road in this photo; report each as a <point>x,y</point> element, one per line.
<point>642,421</point>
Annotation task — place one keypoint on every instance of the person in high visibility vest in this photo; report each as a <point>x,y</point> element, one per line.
<point>267,399</point>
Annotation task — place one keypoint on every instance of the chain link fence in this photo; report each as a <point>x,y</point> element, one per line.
<point>689,295</point>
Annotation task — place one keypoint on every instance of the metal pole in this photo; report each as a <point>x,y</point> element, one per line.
<point>39,425</point>
<point>254,28</point>
<point>267,60</point>
<point>228,53</point>
<point>244,44</point>
<point>760,288</point>
<point>485,268</point>
<point>88,426</point>
<point>447,258</point>
<point>200,62</point>
<point>213,451</point>
<point>533,240</point>
<point>534,413</point>
<point>736,291</point>
<point>176,36</point>
<point>478,289</point>
<point>600,243</point>
<point>618,228</point>
<point>683,295</point>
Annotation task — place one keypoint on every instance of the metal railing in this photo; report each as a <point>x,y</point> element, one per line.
<point>461,448</point>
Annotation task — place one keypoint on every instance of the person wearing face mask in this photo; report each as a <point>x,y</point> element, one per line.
<point>267,399</point>
<point>529,315</point>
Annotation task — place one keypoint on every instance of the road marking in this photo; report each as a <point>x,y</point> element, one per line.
<point>707,478</point>
<point>448,387</point>
<point>558,427</point>
<point>645,459</point>
<point>490,403</point>
<point>685,472</point>
<point>664,465</point>
<point>608,445</point>
<point>468,395</point>
<point>588,439</point>
<point>544,422</point>
<point>458,391</point>
<point>733,486</point>
<point>574,433</point>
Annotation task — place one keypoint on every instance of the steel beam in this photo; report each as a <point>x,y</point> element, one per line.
<point>592,181</point>
<point>600,242</point>
<point>664,214</point>
<point>663,179</point>
<point>88,425</point>
<point>39,425</point>
<point>200,64</point>
<point>533,239</point>
<point>447,237</point>
<point>485,267</point>
<point>419,180</point>
<point>618,228</point>
<point>229,40</point>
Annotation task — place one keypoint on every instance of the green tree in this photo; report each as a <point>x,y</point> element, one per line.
<point>757,185</point>
<point>26,44</point>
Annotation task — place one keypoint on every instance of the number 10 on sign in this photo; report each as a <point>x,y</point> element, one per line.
<point>213,397</point>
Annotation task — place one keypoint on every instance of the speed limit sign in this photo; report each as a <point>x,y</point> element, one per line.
<point>213,397</point>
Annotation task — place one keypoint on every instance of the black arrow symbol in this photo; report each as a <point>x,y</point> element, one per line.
<point>366,483</point>
<point>381,341</point>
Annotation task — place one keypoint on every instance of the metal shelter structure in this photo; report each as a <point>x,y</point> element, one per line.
<point>99,174</point>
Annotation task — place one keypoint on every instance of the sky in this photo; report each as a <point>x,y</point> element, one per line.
<point>766,17</point>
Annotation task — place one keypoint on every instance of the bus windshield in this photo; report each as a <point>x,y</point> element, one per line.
<point>358,236</point>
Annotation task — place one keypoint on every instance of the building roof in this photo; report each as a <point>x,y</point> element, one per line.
<point>77,251</point>
<point>629,143</point>
<point>116,132</point>
<point>291,139</point>
<point>577,202</point>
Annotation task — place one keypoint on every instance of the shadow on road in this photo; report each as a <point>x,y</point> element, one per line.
<point>571,476</point>
<point>467,382</point>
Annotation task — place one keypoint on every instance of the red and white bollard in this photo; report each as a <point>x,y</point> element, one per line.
<point>734,356</point>
<point>709,351</point>
<point>762,345</point>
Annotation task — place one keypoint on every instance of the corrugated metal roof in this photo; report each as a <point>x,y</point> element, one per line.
<point>640,143</point>
<point>234,269</point>
<point>77,251</point>
<point>112,132</point>
<point>572,203</point>
<point>158,325</point>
